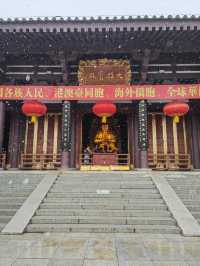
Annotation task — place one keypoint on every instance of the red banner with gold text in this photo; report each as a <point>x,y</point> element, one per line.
<point>100,92</point>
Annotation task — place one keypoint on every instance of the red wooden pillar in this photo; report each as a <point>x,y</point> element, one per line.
<point>15,139</point>
<point>2,124</point>
<point>194,128</point>
<point>66,135</point>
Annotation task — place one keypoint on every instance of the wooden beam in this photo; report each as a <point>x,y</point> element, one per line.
<point>63,63</point>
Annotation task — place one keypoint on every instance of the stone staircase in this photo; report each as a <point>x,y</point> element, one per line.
<point>187,187</point>
<point>15,187</point>
<point>103,202</point>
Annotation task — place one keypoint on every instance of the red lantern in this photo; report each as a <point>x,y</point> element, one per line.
<point>34,109</point>
<point>176,109</point>
<point>104,110</point>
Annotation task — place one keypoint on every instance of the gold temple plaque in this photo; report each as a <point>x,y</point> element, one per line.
<point>104,72</point>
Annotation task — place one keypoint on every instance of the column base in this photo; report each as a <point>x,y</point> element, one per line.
<point>65,161</point>
<point>143,169</point>
<point>144,160</point>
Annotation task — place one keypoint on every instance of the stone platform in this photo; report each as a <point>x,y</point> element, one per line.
<point>52,249</point>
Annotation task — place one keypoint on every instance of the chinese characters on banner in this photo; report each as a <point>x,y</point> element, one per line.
<point>100,92</point>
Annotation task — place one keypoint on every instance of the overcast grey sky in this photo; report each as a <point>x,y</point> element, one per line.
<point>27,8</point>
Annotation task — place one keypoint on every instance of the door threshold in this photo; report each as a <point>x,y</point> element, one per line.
<point>104,168</point>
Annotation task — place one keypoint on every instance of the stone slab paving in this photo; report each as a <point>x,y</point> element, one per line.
<point>99,250</point>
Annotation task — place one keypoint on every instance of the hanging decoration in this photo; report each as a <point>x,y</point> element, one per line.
<point>104,110</point>
<point>175,110</point>
<point>142,130</point>
<point>34,109</point>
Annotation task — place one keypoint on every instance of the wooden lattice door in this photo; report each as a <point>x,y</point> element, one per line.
<point>42,143</point>
<point>168,143</point>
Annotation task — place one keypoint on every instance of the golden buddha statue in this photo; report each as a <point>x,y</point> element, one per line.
<point>105,140</point>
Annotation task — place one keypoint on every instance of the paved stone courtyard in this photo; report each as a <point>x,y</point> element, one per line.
<point>99,250</point>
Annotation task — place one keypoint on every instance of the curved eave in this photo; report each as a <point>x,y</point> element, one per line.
<point>117,23</point>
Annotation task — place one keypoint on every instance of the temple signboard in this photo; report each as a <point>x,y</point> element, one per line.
<point>100,92</point>
<point>104,72</point>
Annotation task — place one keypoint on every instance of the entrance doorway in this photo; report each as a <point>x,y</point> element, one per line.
<point>105,146</point>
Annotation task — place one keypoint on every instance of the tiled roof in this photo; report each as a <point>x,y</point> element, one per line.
<point>100,18</point>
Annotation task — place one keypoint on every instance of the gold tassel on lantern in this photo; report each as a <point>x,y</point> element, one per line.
<point>104,119</point>
<point>33,119</point>
<point>176,119</point>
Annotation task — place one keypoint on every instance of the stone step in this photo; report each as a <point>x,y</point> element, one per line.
<point>92,190</point>
<point>4,218</point>
<point>102,186</point>
<point>102,228</point>
<point>188,197</point>
<point>13,180</point>
<point>191,202</point>
<point>11,184</point>
<point>109,195</point>
<point>186,191</point>
<point>193,208</point>
<point>196,214</point>
<point>15,190</point>
<point>2,225</point>
<point>16,187</point>
<point>9,205</point>
<point>104,180</point>
<point>109,182</point>
<point>9,212</point>
<point>93,175</point>
<point>102,220</point>
<point>103,201</point>
<point>183,186</point>
<point>104,206</point>
<point>17,200</point>
<point>77,203</point>
<point>14,195</point>
<point>107,213</point>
